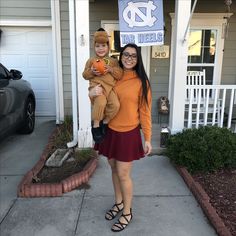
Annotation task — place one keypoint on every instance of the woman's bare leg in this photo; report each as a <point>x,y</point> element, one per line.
<point>126,183</point>
<point>118,206</point>
<point>115,181</point>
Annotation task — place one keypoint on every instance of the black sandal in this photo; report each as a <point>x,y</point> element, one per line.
<point>112,213</point>
<point>121,226</point>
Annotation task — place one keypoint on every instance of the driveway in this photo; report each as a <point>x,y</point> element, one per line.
<point>18,154</point>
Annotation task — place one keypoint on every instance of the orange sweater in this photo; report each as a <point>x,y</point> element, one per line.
<point>132,111</point>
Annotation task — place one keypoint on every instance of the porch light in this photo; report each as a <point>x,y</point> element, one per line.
<point>228,3</point>
<point>226,25</point>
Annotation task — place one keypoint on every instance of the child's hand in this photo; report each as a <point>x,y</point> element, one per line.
<point>108,69</point>
<point>95,72</point>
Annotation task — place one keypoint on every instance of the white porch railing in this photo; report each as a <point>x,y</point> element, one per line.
<point>210,105</point>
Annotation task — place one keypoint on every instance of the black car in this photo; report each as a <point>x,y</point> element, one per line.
<point>17,103</point>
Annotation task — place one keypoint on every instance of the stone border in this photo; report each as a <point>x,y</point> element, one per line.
<point>204,201</point>
<point>27,188</point>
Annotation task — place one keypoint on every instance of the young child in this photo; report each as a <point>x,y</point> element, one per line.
<point>105,71</point>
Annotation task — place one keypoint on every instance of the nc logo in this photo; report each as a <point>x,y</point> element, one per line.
<point>133,9</point>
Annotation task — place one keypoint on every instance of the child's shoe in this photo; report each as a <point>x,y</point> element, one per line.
<point>97,134</point>
<point>103,127</point>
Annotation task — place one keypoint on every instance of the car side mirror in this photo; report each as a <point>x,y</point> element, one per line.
<point>16,74</point>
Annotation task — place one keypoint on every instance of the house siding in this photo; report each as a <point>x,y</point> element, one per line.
<point>66,70</point>
<point>25,10</point>
<point>229,59</point>
<point>159,68</point>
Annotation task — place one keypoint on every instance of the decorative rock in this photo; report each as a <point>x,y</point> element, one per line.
<point>58,157</point>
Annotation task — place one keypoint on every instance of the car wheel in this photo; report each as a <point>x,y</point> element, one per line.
<point>29,117</point>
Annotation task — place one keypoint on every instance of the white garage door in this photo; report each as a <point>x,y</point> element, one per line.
<point>30,51</point>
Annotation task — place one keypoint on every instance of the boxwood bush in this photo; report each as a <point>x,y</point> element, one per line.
<point>205,149</point>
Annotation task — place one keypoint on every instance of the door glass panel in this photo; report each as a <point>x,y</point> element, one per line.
<point>115,43</point>
<point>209,45</point>
<point>201,46</point>
<point>194,46</point>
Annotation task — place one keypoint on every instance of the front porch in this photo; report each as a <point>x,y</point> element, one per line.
<point>167,76</point>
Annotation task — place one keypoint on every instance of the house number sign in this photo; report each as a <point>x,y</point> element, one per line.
<point>160,51</point>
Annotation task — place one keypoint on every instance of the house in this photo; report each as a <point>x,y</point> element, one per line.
<point>49,41</point>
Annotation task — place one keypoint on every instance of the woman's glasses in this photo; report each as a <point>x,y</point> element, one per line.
<point>126,55</point>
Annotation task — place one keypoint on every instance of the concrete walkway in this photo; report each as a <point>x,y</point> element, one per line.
<point>162,204</point>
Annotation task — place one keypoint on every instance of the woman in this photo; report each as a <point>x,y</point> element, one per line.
<point>122,143</point>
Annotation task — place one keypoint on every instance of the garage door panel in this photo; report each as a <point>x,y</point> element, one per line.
<point>38,61</point>
<point>8,59</point>
<point>31,38</point>
<point>43,107</point>
<point>40,83</point>
<point>29,50</point>
<point>13,38</point>
<point>42,94</point>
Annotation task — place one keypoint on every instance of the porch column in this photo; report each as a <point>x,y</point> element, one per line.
<point>179,65</point>
<point>82,51</point>
<point>57,60</point>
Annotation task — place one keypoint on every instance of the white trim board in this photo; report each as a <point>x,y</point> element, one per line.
<point>39,23</point>
<point>57,59</point>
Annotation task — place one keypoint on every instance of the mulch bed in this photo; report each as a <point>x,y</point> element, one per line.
<point>57,174</point>
<point>44,181</point>
<point>221,188</point>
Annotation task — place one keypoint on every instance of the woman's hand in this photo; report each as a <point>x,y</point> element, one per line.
<point>147,148</point>
<point>96,91</point>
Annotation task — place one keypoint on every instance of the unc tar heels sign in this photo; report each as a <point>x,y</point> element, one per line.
<point>141,22</point>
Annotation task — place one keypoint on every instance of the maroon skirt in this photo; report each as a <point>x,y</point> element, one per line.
<point>121,146</point>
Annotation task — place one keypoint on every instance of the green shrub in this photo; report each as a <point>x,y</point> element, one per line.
<point>204,149</point>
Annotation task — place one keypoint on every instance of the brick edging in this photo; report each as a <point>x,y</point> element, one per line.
<point>204,201</point>
<point>28,189</point>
